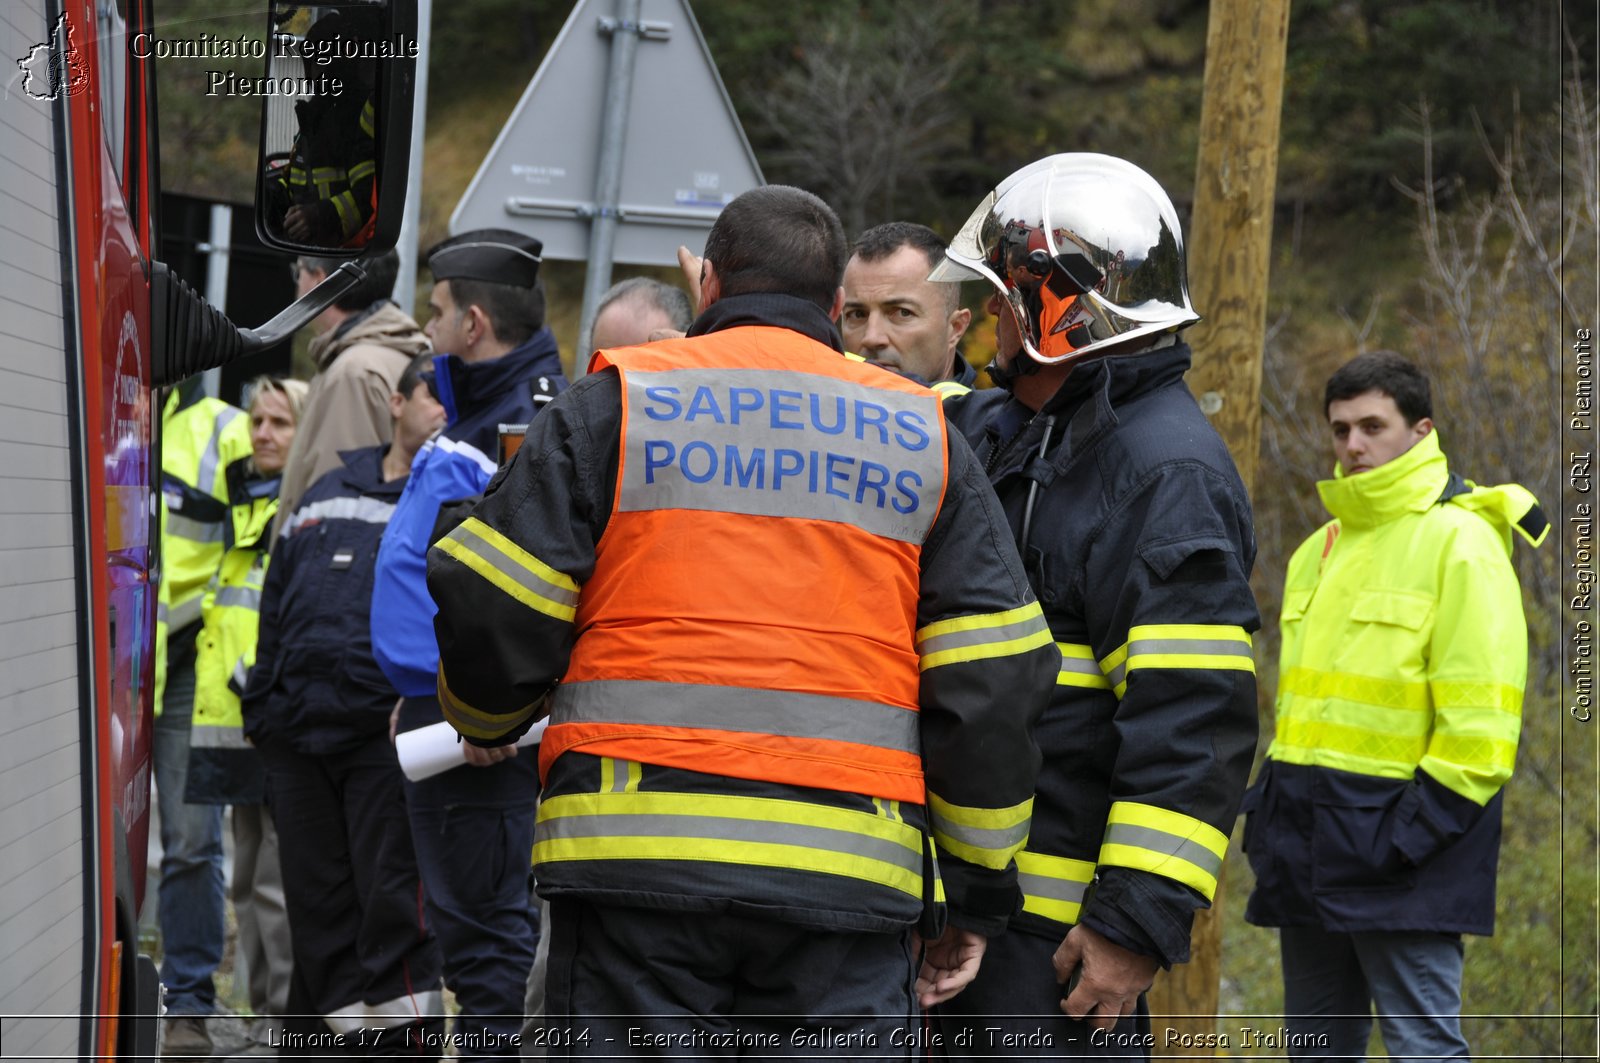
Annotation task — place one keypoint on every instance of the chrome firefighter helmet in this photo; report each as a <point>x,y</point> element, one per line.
<point>1086,249</point>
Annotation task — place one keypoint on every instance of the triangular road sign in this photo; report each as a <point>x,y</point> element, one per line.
<point>685,154</point>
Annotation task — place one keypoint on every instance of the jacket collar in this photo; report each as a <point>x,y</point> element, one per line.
<point>466,387</point>
<point>363,471</point>
<point>1083,409</point>
<point>1408,484</point>
<point>769,308</point>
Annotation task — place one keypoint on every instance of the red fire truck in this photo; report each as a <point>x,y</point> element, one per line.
<point>91,325</point>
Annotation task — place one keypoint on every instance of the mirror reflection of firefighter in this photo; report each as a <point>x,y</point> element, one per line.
<point>327,195</point>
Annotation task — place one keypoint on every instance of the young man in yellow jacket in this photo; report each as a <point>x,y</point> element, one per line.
<point>1374,826</point>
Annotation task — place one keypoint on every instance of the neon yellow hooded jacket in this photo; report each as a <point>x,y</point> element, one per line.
<point>1399,705</point>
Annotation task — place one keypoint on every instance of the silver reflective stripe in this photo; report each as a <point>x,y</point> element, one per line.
<point>1054,889</point>
<point>728,829</point>
<point>178,617</point>
<point>240,597</point>
<point>983,636</point>
<point>777,443</point>
<point>512,568</point>
<point>773,712</point>
<point>369,510</point>
<point>1082,666</point>
<point>1204,647</point>
<point>205,736</point>
<point>1159,841</point>
<point>465,450</point>
<point>979,837</point>
<point>240,674</point>
<point>198,531</point>
<point>397,1012</point>
<point>212,457</point>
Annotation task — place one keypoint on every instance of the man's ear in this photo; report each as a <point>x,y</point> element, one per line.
<point>838,305</point>
<point>710,285</point>
<point>1421,429</point>
<point>396,401</point>
<point>958,322</point>
<point>477,324</point>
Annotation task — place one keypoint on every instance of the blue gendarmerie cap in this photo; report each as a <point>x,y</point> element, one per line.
<point>499,256</point>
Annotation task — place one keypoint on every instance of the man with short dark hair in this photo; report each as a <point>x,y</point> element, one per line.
<point>364,342</point>
<point>804,662</point>
<point>472,826</point>
<point>895,316</point>
<point>1373,827</point>
<point>317,707</point>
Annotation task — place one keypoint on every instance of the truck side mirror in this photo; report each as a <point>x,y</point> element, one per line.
<point>336,126</point>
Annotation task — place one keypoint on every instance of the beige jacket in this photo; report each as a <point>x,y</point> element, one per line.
<point>348,405</point>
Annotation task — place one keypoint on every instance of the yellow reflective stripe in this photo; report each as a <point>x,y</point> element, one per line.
<point>367,117</point>
<point>1053,886</point>
<point>949,389</point>
<point>988,837</point>
<point>327,174</point>
<point>1477,694</point>
<point>1079,668</point>
<point>1368,690</point>
<point>474,722</point>
<point>983,636</point>
<point>345,204</point>
<point>1165,843</point>
<point>512,569</point>
<point>722,828</point>
<point>1198,646</point>
<point>627,782</point>
<point>362,170</point>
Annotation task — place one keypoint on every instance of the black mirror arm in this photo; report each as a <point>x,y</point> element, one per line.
<point>190,335</point>
<point>302,311</point>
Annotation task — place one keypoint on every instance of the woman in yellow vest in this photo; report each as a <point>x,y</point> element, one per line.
<point>223,768</point>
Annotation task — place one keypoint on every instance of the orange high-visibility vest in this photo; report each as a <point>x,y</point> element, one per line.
<point>702,644</point>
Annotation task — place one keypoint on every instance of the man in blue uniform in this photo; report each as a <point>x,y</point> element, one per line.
<point>472,826</point>
<point>1136,534</point>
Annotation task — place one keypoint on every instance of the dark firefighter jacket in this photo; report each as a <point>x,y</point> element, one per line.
<point>737,831</point>
<point>1399,705</point>
<point>315,681</point>
<point>1139,547</point>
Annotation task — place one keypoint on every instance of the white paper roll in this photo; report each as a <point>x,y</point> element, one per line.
<point>427,751</point>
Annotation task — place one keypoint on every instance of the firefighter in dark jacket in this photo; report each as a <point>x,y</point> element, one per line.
<point>1135,531</point>
<point>317,708</point>
<point>797,657</point>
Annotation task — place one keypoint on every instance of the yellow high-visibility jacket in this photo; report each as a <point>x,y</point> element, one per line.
<point>223,766</point>
<point>1399,705</point>
<point>199,440</point>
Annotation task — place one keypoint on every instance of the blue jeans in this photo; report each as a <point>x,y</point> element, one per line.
<point>1332,982</point>
<point>191,893</point>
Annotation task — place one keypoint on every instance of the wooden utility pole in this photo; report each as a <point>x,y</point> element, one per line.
<point>1230,244</point>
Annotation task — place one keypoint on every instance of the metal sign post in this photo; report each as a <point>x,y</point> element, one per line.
<point>625,31</point>
<point>624,146</point>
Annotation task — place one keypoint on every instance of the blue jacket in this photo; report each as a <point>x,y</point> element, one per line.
<point>478,397</point>
<point>315,681</point>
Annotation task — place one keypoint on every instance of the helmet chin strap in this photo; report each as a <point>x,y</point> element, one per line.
<point>1006,377</point>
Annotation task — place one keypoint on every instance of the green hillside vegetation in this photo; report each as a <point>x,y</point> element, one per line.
<point>1436,196</point>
